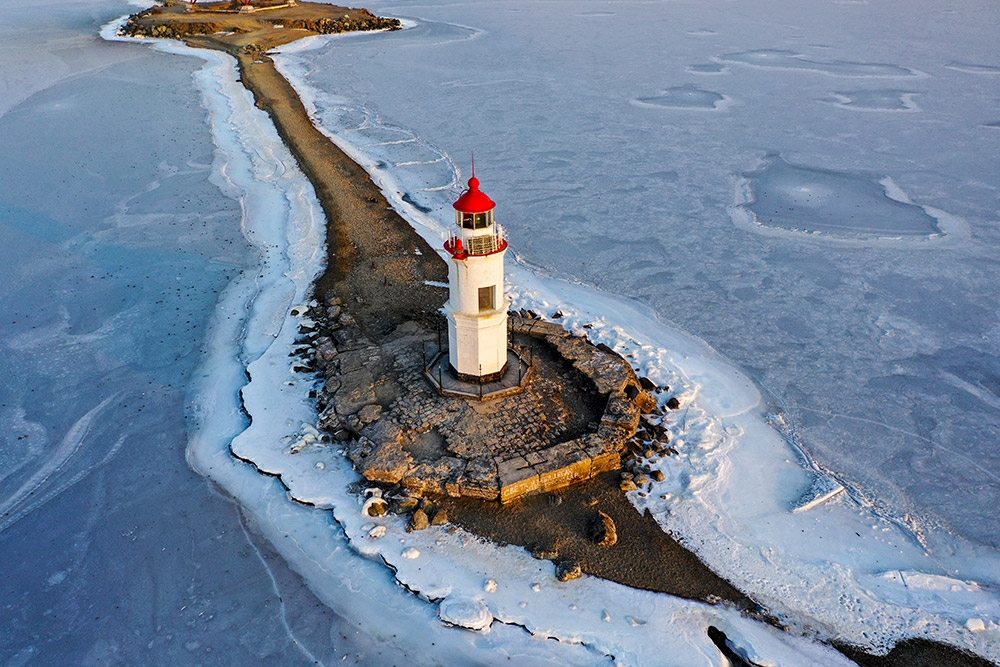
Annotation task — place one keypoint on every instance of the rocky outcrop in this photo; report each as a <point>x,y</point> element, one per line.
<point>398,431</point>
<point>212,19</point>
<point>328,26</point>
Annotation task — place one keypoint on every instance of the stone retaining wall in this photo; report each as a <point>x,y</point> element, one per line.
<point>398,431</point>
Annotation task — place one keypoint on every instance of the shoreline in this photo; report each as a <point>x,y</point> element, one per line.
<point>373,275</point>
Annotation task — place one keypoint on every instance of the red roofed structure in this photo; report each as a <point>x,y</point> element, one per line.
<point>474,200</point>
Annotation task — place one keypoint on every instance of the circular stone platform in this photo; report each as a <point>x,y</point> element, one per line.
<point>572,414</point>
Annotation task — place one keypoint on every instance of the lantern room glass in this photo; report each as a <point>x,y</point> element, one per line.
<point>476,220</point>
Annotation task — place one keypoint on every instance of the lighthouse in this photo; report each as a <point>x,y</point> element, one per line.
<point>476,307</point>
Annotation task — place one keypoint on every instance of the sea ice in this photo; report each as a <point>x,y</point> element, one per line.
<point>811,200</point>
<point>115,244</point>
<point>794,307</point>
<point>876,100</point>
<point>685,97</point>
<point>784,59</point>
<point>974,68</point>
<point>706,68</point>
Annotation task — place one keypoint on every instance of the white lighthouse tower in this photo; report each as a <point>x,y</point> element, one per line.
<point>477,307</point>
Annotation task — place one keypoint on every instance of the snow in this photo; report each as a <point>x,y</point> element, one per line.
<point>465,612</point>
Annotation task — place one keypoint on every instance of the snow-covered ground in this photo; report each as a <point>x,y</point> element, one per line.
<point>790,217</point>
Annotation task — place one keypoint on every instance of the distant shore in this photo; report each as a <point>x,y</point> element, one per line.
<point>372,266</point>
<point>235,27</point>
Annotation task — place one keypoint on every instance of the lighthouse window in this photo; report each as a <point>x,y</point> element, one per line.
<point>486,297</point>
<point>476,220</point>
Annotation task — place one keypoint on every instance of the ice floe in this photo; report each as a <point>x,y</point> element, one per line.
<point>876,100</point>
<point>785,59</point>
<point>822,203</point>
<point>686,97</point>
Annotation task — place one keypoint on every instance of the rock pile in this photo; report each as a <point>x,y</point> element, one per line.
<point>650,443</point>
<point>327,26</point>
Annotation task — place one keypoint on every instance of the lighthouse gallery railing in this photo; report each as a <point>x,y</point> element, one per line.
<point>486,244</point>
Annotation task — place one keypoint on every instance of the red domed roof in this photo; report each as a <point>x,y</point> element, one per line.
<point>474,200</point>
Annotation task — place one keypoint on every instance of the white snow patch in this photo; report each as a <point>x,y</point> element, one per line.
<point>465,612</point>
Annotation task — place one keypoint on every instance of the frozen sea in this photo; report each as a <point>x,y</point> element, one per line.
<point>786,212</point>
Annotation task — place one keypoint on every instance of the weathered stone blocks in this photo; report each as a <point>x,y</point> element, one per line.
<point>496,450</point>
<point>516,477</point>
<point>383,461</point>
<point>356,391</point>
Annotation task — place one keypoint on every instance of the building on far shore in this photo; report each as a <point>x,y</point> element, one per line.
<point>477,306</point>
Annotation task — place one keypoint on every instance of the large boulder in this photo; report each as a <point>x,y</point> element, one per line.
<point>418,520</point>
<point>601,530</point>
<point>380,461</point>
<point>568,569</point>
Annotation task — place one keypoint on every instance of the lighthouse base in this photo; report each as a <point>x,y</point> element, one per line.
<point>481,379</point>
<point>448,382</point>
